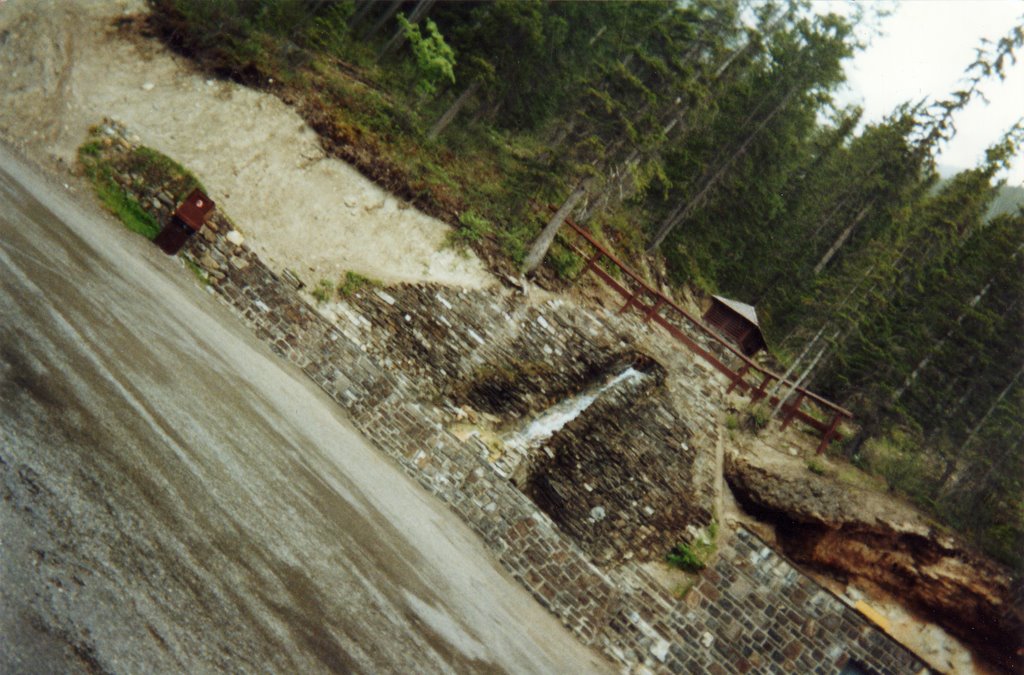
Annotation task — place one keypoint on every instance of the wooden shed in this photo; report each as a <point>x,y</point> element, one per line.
<point>736,321</point>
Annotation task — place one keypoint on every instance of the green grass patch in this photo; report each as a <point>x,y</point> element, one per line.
<point>567,265</point>
<point>352,283</point>
<point>685,558</point>
<point>128,210</point>
<point>817,467</point>
<point>758,416</point>
<point>323,291</point>
<point>115,198</point>
<point>693,556</point>
<point>473,228</point>
<point>197,271</point>
<point>111,169</point>
<point>681,590</point>
<point>152,164</point>
<point>91,148</point>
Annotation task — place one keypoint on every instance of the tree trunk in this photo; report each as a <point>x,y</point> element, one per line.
<point>923,363</point>
<point>988,413</point>
<point>800,381</point>
<point>364,7</point>
<point>724,66</point>
<point>792,367</point>
<point>947,472</point>
<point>488,112</point>
<point>388,13</point>
<point>562,133</point>
<point>827,220</point>
<point>547,236</point>
<point>617,187</point>
<point>449,115</point>
<point>843,236</point>
<point>963,486</point>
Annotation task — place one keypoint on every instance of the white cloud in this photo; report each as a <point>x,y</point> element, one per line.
<point>924,49</point>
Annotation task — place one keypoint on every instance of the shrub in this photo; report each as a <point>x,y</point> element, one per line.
<point>329,31</point>
<point>127,209</point>
<point>435,60</point>
<point>693,557</point>
<point>685,558</point>
<point>151,167</point>
<point>515,243</point>
<point>899,459</point>
<point>157,167</point>
<point>471,220</point>
<point>758,416</point>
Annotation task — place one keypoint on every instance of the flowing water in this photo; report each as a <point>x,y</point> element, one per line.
<point>554,419</point>
<point>557,416</point>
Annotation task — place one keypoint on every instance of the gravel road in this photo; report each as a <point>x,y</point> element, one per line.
<point>177,499</point>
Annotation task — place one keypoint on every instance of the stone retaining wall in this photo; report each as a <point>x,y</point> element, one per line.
<point>751,612</point>
<point>624,479</point>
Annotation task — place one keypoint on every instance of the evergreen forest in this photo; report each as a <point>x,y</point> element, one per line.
<point>703,142</point>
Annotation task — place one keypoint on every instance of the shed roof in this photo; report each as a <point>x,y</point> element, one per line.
<point>741,308</point>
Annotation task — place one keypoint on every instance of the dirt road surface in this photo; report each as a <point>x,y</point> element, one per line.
<point>63,68</point>
<point>177,499</point>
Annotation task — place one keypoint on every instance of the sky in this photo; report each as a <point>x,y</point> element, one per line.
<point>923,50</point>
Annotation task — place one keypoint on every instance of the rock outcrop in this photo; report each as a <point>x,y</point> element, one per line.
<point>857,534</point>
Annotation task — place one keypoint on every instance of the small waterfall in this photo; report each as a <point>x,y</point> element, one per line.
<point>560,414</point>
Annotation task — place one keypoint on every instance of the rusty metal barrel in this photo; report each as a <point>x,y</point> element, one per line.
<point>187,219</point>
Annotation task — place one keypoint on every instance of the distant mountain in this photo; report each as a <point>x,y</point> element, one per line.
<point>947,171</point>
<point>1009,200</point>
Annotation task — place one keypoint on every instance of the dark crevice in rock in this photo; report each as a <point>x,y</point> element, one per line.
<point>830,528</point>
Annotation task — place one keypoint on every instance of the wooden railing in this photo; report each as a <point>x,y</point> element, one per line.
<point>658,308</point>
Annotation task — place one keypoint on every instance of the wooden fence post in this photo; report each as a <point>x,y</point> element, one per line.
<point>758,393</point>
<point>738,378</point>
<point>654,310</point>
<point>788,417</point>
<point>827,438</point>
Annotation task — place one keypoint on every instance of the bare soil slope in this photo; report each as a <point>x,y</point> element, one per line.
<point>63,67</point>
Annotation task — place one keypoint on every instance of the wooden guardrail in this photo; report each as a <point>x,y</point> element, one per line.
<point>656,307</point>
